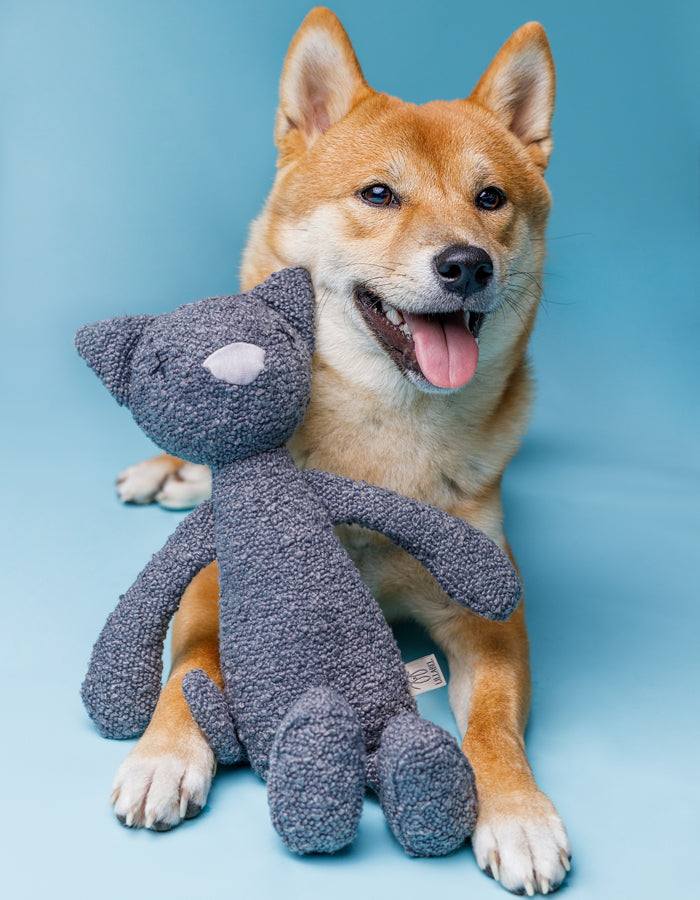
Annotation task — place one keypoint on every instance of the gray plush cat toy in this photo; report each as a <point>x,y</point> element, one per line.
<point>315,694</point>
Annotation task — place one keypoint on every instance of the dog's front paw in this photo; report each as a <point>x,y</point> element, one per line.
<point>141,483</point>
<point>159,791</point>
<point>520,841</point>
<point>186,488</point>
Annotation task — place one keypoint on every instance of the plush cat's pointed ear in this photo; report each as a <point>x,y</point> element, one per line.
<point>290,292</point>
<point>107,347</point>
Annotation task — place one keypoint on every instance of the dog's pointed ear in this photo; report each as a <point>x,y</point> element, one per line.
<point>107,347</point>
<point>518,88</point>
<point>290,292</point>
<point>321,82</point>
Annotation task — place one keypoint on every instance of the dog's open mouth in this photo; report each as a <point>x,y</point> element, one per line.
<point>441,347</point>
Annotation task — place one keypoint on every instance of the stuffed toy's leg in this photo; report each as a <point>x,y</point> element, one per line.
<point>211,712</point>
<point>425,784</point>
<point>316,776</point>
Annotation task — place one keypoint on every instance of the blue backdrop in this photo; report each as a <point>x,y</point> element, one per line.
<point>135,146</point>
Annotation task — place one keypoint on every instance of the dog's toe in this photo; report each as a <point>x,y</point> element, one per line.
<point>521,841</point>
<point>192,810</point>
<point>186,488</point>
<point>141,483</point>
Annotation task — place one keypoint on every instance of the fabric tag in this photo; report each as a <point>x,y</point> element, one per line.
<point>424,674</point>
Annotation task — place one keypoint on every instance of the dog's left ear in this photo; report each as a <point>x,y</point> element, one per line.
<point>321,82</point>
<point>518,88</point>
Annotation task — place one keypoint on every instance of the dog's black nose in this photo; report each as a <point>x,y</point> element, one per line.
<point>464,269</point>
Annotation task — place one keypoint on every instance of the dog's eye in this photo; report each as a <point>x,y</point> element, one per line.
<point>379,195</point>
<point>490,198</point>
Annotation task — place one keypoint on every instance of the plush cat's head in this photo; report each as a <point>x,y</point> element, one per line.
<point>217,380</point>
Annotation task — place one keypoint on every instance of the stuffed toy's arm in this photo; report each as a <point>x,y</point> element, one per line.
<point>123,681</point>
<point>467,564</point>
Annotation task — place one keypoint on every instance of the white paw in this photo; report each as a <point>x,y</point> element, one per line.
<point>141,483</point>
<point>520,841</point>
<point>158,792</point>
<point>185,488</point>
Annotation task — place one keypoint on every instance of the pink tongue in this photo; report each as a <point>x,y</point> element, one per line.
<point>445,349</point>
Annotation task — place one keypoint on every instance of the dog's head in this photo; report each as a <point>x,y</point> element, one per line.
<point>422,226</point>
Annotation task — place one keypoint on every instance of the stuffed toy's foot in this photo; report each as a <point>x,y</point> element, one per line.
<point>210,710</point>
<point>426,787</point>
<point>316,776</point>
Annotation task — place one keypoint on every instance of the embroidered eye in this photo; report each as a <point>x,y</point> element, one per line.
<point>158,363</point>
<point>490,198</point>
<point>379,195</point>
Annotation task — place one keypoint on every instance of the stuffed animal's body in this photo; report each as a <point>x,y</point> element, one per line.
<point>315,694</point>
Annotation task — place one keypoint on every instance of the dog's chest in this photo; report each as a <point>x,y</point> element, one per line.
<point>431,456</point>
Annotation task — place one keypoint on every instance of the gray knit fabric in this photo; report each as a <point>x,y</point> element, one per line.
<point>218,725</point>
<point>316,798</point>
<point>313,679</point>
<point>178,403</point>
<point>426,787</point>
<point>123,681</point>
<point>466,563</point>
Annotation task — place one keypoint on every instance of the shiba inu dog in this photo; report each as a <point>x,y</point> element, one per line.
<point>423,230</point>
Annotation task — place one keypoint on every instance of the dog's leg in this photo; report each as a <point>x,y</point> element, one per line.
<point>170,481</point>
<point>519,838</point>
<point>167,776</point>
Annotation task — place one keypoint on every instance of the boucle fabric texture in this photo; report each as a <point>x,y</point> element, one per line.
<point>426,787</point>
<point>316,798</point>
<point>313,681</point>
<point>123,682</point>
<point>466,563</point>
<point>153,365</point>
<point>216,722</point>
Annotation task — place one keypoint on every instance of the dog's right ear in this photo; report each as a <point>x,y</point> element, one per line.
<point>107,347</point>
<point>321,82</point>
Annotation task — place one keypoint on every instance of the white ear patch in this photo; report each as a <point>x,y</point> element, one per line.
<point>238,363</point>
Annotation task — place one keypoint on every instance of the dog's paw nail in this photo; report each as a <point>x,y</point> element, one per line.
<point>193,809</point>
<point>189,808</point>
<point>493,865</point>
